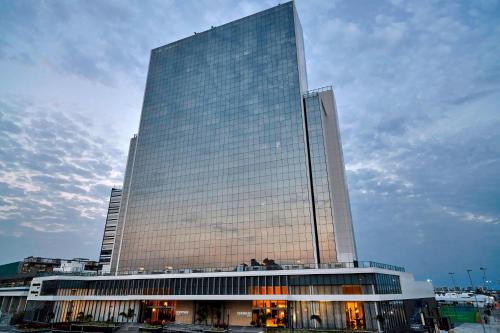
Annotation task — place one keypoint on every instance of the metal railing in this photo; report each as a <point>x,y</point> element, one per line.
<point>15,285</point>
<point>239,268</point>
<point>316,91</point>
<point>246,268</point>
<point>383,266</point>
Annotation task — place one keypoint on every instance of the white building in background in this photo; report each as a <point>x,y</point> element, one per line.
<point>109,235</point>
<point>465,298</point>
<point>71,266</point>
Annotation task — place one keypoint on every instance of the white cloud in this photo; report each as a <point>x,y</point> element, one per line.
<point>54,172</point>
<point>48,227</point>
<point>471,217</point>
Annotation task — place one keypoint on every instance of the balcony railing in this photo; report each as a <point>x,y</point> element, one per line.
<point>239,268</point>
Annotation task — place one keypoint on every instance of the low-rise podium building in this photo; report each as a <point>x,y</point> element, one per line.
<point>340,296</point>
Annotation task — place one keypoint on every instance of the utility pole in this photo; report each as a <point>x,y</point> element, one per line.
<point>475,296</point>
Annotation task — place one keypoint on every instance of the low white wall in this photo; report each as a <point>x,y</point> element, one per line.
<point>415,289</point>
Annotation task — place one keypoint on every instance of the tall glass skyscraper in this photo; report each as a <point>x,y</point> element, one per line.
<point>234,159</point>
<point>235,162</point>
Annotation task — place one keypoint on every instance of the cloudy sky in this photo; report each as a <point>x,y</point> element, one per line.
<point>418,92</point>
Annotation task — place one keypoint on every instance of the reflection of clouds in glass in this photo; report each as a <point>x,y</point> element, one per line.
<point>220,172</point>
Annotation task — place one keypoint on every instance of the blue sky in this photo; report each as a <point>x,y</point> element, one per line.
<point>418,91</point>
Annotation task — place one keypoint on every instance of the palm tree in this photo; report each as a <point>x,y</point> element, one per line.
<point>80,316</point>
<point>50,316</point>
<point>130,314</point>
<point>262,318</point>
<point>316,318</point>
<point>68,315</point>
<point>215,313</point>
<point>202,315</point>
<point>381,320</point>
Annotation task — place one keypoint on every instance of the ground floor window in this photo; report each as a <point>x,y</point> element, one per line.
<point>355,317</point>
<point>319,315</point>
<point>336,315</point>
<point>159,311</point>
<point>269,313</point>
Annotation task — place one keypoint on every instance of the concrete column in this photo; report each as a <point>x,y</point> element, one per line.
<point>5,304</point>
<point>22,304</point>
<point>379,327</point>
<point>1,302</point>
<point>57,306</point>
<point>13,304</point>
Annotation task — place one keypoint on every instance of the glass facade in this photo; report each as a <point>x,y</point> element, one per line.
<point>394,316</point>
<point>334,315</point>
<point>220,172</point>
<point>317,284</point>
<point>227,167</point>
<point>331,198</point>
<point>319,176</point>
<point>124,202</point>
<point>317,315</point>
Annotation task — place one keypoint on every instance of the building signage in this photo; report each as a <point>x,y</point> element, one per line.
<point>246,314</point>
<point>181,313</point>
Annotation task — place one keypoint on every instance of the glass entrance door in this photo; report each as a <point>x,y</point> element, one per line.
<point>269,313</point>
<point>156,312</point>
<point>355,317</point>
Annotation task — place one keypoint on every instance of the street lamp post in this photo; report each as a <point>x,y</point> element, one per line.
<point>452,275</point>
<point>484,277</point>
<point>475,297</point>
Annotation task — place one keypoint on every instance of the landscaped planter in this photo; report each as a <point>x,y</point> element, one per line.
<point>93,328</point>
<point>151,329</point>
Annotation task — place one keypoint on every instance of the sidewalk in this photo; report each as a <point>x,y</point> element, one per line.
<point>477,328</point>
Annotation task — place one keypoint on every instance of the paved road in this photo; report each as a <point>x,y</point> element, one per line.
<point>128,328</point>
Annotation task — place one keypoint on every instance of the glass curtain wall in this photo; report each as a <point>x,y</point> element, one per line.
<point>336,315</point>
<point>220,172</point>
